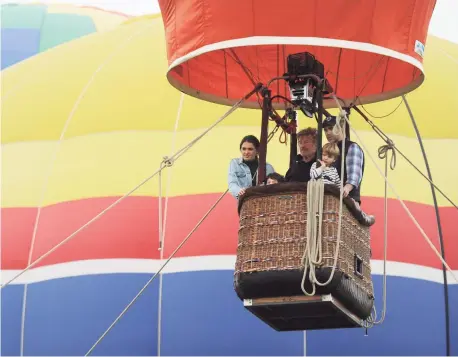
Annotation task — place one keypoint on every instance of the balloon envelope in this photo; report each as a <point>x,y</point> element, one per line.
<point>371,50</point>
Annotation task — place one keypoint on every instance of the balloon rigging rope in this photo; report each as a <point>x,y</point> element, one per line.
<point>383,153</point>
<point>157,273</point>
<point>163,222</point>
<point>372,319</point>
<point>390,143</point>
<point>402,203</point>
<point>448,55</point>
<point>165,163</point>
<point>52,163</point>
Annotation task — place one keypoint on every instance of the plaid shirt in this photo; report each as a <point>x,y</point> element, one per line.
<point>355,158</point>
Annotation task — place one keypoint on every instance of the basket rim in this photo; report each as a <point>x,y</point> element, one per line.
<point>295,188</point>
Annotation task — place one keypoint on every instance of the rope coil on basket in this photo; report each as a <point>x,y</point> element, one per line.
<point>315,197</point>
<point>383,154</point>
<point>313,249</point>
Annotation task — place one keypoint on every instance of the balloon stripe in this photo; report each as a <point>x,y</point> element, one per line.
<point>108,164</point>
<point>130,230</point>
<point>188,265</point>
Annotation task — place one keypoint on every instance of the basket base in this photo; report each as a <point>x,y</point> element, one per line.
<point>276,284</point>
<point>298,313</point>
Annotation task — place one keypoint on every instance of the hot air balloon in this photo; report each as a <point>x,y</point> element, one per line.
<point>112,121</point>
<point>30,29</point>
<point>219,63</point>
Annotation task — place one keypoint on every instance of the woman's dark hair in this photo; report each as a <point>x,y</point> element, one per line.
<point>252,140</point>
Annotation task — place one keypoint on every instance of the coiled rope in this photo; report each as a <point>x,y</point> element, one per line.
<point>313,253</point>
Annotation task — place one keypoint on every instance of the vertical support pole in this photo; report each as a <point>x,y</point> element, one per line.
<point>347,126</point>
<point>319,137</point>
<point>293,143</point>
<point>293,149</point>
<point>264,133</point>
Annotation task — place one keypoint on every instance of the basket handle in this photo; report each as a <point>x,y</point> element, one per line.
<point>358,266</point>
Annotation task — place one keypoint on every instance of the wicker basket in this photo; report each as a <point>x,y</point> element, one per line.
<point>272,241</point>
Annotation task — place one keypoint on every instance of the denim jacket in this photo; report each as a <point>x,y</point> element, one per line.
<point>239,176</point>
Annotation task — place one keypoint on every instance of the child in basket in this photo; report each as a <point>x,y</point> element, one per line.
<point>331,176</point>
<point>274,178</point>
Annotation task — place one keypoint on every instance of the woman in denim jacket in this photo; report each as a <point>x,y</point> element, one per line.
<point>243,171</point>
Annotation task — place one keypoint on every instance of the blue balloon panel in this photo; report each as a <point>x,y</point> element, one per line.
<point>66,316</point>
<point>453,306</point>
<point>414,324</point>
<point>201,315</point>
<point>18,44</point>
<point>11,303</point>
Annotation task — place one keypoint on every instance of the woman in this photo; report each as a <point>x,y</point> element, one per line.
<point>243,171</point>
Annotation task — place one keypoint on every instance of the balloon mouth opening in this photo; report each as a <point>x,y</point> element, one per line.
<point>360,73</point>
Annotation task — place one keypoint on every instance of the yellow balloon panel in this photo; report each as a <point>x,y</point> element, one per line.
<point>103,20</point>
<point>112,164</point>
<point>431,104</point>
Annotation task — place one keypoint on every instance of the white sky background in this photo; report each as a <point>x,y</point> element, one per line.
<point>444,21</point>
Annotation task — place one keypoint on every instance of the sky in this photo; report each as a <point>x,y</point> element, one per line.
<point>443,24</point>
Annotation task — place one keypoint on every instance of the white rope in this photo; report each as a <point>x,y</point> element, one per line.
<point>163,224</point>
<point>405,207</point>
<point>14,90</point>
<point>165,163</point>
<point>313,249</point>
<point>157,273</point>
<point>52,163</point>
<point>372,319</point>
<point>315,199</point>
<point>448,55</point>
<point>169,176</point>
<point>161,252</point>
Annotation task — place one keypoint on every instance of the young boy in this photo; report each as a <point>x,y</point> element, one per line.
<point>274,178</point>
<point>331,176</point>
<point>328,172</point>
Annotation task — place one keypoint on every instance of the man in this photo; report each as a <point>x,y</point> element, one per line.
<point>354,161</point>
<point>300,171</point>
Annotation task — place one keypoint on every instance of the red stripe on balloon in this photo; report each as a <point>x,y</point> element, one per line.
<point>130,230</point>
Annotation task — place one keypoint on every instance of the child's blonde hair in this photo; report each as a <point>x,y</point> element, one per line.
<point>332,150</point>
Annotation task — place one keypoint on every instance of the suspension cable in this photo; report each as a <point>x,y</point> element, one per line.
<point>372,320</point>
<point>157,273</point>
<point>163,225</point>
<point>383,154</point>
<point>388,140</point>
<point>404,206</point>
<point>439,227</point>
<point>76,105</point>
<point>167,161</point>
